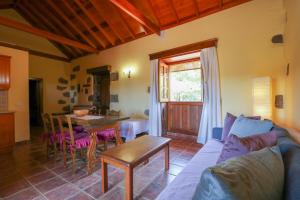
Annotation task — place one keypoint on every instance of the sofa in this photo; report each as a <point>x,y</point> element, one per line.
<point>184,185</point>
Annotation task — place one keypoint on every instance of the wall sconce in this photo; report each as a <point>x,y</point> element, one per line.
<point>128,71</point>
<point>262,97</point>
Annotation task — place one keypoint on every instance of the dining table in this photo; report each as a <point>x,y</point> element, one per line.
<point>96,123</point>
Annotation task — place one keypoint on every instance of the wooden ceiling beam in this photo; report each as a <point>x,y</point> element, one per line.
<point>34,22</point>
<point>196,7</point>
<point>107,19</point>
<point>26,28</point>
<point>69,22</point>
<point>174,10</point>
<point>154,11</point>
<point>128,8</point>
<point>129,29</point>
<point>35,52</point>
<point>221,3</point>
<point>87,27</point>
<point>30,11</point>
<point>95,22</point>
<point>41,7</point>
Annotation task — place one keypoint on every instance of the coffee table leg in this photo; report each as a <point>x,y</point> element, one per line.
<point>104,175</point>
<point>167,157</point>
<point>129,183</point>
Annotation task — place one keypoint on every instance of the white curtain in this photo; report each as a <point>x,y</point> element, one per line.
<point>155,127</point>
<point>211,112</point>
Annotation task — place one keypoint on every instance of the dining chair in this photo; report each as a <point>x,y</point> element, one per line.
<point>50,134</point>
<point>47,131</point>
<point>72,141</point>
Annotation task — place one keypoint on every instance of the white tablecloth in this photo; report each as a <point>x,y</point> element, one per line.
<point>86,117</point>
<point>131,127</point>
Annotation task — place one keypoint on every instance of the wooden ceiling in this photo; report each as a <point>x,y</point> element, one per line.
<point>80,27</point>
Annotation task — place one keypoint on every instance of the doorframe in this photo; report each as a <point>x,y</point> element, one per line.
<point>41,94</point>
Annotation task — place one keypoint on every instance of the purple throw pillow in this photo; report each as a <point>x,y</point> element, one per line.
<point>228,122</point>
<point>235,146</point>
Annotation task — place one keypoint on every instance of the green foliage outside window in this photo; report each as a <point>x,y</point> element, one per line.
<point>186,85</point>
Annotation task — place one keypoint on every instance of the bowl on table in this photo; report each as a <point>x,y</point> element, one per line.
<point>81,113</point>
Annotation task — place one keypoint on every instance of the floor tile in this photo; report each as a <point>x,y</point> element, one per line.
<point>50,184</point>
<point>87,181</point>
<point>61,169</point>
<point>13,188</point>
<point>95,190</point>
<point>44,176</point>
<point>61,193</point>
<point>50,178</point>
<point>27,194</point>
<point>74,176</point>
<point>117,193</point>
<point>81,196</point>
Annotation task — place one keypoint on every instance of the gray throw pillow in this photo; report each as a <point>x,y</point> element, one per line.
<point>258,175</point>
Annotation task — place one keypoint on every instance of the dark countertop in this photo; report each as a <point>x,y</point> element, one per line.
<point>6,111</point>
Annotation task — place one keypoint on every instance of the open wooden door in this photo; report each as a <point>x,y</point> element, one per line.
<point>180,84</point>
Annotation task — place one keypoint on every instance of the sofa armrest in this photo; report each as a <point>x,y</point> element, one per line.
<point>217,133</point>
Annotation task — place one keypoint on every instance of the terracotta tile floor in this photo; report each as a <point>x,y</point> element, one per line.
<point>28,174</point>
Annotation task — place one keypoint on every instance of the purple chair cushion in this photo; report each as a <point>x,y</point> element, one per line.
<point>82,142</point>
<point>78,129</point>
<point>106,134</point>
<point>235,146</point>
<point>77,135</point>
<point>228,122</point>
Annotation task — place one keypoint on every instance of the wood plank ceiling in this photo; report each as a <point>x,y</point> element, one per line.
<point>102,24</point>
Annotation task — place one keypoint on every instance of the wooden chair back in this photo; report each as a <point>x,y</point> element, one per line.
<point>70,128</point>
<point>59,119</point>
<point>46,122</point>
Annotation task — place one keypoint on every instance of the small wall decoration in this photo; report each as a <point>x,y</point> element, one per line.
<point>72,76</point>
<point>78,88</point>
<point>61,87</point>
<point>66,94</point>
<point>63,81</point>
<point>279,101</point>
<point>67,108</point>
<point>114,76</point>
<point>61,101</point>
<point>114,98</point>
<point>76,68</point>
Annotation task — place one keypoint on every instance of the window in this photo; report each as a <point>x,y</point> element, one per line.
<point>181,82</point>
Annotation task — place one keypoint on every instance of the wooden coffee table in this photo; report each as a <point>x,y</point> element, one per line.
<point>129,155</point>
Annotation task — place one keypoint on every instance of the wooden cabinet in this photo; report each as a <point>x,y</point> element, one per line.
<point>4,72</point>
<point>7,132</point>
